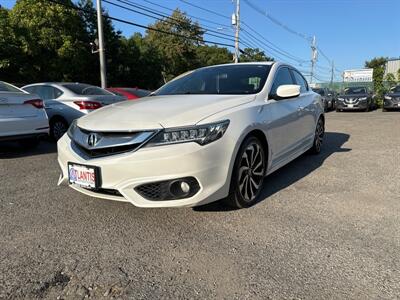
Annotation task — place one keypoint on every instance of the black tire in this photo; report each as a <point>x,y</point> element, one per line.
<point>247,174</point>
<point>58,127</point>
<point>29,143</point>
<point>318,137</point>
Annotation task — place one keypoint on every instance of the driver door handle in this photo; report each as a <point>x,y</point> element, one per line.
<point>3,100</point>
<point>300,108</point>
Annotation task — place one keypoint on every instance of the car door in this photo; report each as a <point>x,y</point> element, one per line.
<point>282,120</point>
<point>306,110</point>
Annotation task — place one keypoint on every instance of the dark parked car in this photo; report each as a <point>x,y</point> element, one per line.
<point>327,98</point>
<point>392,99</point>
<point>355,98</point>
<point>129,93</point>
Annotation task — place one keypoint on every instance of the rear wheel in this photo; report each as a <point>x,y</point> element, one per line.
<point>248,174</point>
<point>319,137</point>
<point>57,128</point>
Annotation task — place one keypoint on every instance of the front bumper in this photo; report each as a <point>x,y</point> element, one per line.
<point>210,165</point>
<point>352,106</point>
<point>391,104</point>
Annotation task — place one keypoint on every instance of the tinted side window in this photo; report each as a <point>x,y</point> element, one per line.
<point>45,92</point>
<point>31,89</point>
<point>282,77</point>
<point>300,81</point>
<point>57,93</point>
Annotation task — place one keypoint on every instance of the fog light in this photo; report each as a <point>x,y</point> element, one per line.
<point>185,187</point>
<point>179,188</point>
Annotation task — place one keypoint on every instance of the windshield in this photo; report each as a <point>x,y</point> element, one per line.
<point>395,89</point>
<point>85,89</point>
<point>5,87</point>
<point>355,90</point>
<point>228,79</point>
<point>319,91</point>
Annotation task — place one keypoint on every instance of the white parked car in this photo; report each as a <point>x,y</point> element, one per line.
<point>22,116</point>
<point>66,101</point>
<point>210,134</point>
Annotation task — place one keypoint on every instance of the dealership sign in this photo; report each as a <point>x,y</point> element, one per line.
<point>361,75</point>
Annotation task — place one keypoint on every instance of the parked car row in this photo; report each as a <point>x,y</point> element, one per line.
<point>328,98</point>
<point>49,108</point>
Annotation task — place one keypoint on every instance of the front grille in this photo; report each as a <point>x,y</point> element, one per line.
<point>93,153</point>
<point>351,101</point>
<point>98,144</point>
<point>158,191</point>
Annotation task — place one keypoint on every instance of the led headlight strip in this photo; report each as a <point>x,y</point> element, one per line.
<point>201,134</point>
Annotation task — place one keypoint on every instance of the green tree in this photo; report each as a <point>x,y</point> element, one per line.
<point>50,38</point>
<point>254,54</point>
<point>213,55</point>
<point>378,64</point>
<point>10,49</point>
<point>178,53</point>
<point>398,75</point>
<point>390,80</point>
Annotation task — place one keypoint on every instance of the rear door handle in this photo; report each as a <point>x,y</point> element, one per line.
<point>2,100</point>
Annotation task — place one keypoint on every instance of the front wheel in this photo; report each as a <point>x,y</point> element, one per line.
<point>247,174</point>
<point>319,137</point>
<point>57,128</point>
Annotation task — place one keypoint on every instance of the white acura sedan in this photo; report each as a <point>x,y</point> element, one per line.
<point>210,134</point>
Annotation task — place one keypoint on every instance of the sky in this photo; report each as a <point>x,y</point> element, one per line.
<point>349,32</point>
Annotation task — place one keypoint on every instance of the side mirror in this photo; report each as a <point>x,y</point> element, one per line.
<point>288,91</point>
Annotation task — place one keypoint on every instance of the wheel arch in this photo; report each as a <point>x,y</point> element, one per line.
<point>57,117</point>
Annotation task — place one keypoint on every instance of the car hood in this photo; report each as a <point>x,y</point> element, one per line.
<point>393,94</point>
<point>160,111</point>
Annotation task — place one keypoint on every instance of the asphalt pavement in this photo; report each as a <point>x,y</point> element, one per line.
<point>328,228</point>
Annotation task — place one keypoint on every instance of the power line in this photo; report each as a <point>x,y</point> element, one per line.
<point>205,9</point>
<point>142,26</point>
<point>287,28</point>
<point>272,45</point>
<point>191,16</point>
<point>272,48</point>
<point>277,22</point>
<point>176,21</point>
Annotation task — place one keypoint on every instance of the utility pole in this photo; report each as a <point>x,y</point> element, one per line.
<point>102,54</point>
<point>313,57</point>
<point>236,22</point>
<point>332,73</point>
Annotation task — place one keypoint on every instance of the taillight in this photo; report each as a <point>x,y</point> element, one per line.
<point>88,104</point>
<point>35,102</point>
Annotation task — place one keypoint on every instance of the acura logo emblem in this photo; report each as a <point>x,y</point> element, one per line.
<point>93,139</point>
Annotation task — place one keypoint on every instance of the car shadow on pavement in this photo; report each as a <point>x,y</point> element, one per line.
<point>16,150</point>
<point>292,172</point>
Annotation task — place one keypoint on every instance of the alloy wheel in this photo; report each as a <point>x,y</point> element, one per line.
<point>251,172</point>
<point>59,128</point>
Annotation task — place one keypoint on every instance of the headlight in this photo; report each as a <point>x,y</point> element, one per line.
<point>362,98</point>
<point>201,134</point>
<point>340,99</point>
<point>388,98</point>
<point>71,129</point>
